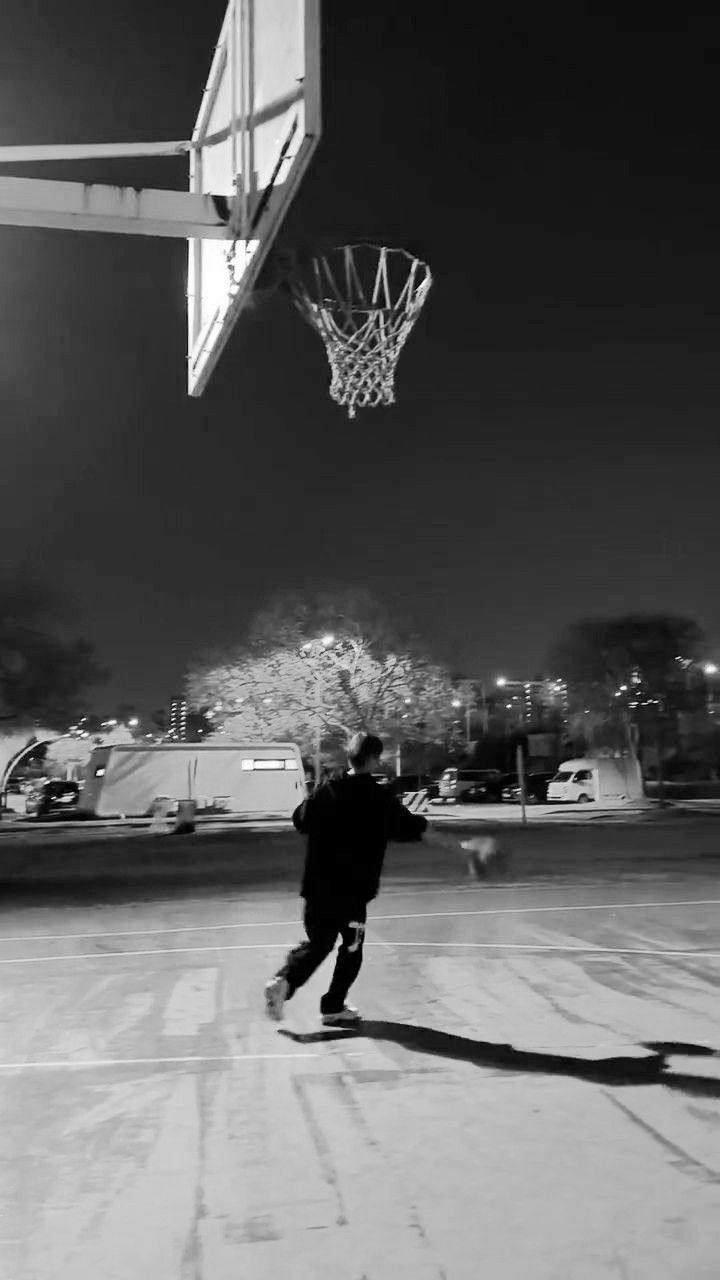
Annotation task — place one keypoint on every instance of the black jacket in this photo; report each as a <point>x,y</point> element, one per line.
<point>348,822</point>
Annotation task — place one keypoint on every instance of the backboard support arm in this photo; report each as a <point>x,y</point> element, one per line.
<point>78,206</point>
<point>91,151</point>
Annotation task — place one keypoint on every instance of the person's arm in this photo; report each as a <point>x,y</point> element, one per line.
<point>314,809</point>
<point>441,840</point>
<point>303,815</point>
<point>402,825</point>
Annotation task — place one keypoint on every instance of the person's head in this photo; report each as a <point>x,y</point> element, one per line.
<point>364,752</point>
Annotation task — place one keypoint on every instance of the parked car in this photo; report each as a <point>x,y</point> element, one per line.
<point>15,795</point>
<point>51,798</point>
<point>536,785</point>
<point>471,786</point>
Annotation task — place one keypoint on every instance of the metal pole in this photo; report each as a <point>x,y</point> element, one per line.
<point>78,206</point>
<point>520,764</point>
<point>92,151</point>
<point>467,723</point>
<point>318,739</point>
<point>484,711</point>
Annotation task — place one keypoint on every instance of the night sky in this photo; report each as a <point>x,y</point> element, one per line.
<point>554,449</point>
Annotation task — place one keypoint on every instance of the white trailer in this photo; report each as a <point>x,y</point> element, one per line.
<point>124,781</point>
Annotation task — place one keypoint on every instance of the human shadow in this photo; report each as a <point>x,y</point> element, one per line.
<point>504,1057</point>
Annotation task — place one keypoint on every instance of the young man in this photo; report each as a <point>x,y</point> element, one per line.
<point>348,822</point>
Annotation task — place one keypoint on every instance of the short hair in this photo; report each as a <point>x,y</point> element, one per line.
<point>362,747</point>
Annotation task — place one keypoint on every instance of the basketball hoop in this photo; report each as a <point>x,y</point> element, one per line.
<point>363,301</point>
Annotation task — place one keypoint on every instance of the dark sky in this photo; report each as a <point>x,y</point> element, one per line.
<point>554,449</point>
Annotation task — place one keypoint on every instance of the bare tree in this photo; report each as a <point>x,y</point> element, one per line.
<point>295,678</point>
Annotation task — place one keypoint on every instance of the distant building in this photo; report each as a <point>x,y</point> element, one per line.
<point>177,720</point>
<point>518,703</point>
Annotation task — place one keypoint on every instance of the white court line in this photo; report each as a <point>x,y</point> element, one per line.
<point>152,1062</point>
<point>522,911</point>
<point>417,915</point>
<point>530,946</point>
<point>386,942</point>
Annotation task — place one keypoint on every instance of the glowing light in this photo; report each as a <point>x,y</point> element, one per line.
<point>456,702</point>
<point>328,639</point>
<point>501,682</point>
<point>710,669</point>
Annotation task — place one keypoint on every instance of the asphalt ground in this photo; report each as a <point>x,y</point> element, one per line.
<point>534,1092</point>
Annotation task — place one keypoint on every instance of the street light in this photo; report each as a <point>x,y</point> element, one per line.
<point>325,641</point>
<point>457,702</point>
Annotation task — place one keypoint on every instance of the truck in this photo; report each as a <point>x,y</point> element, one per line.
<point>254,779</point>
<point>603,780</point>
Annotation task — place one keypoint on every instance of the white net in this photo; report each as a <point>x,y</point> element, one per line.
<point>363,301</point>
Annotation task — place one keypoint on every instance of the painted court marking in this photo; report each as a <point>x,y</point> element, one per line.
<point>388,942</point>
<point>90,1063</point>
<point>416,915</point>
<point>587,950</point>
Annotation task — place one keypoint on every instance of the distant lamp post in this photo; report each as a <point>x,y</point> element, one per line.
<point>325,642</point>
<point>710,669</point>
<point>457,702</point>
<point>404,715</point>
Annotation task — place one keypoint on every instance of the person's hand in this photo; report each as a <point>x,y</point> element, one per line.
<point>480,852</point>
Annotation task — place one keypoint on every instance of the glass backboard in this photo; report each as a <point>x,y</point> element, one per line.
<point>258,126</point>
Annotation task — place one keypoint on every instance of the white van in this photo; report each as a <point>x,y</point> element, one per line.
<point>261,779</point>
<point>606,780</point>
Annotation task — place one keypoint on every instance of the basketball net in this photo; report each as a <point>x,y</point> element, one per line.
<point>363,301</point>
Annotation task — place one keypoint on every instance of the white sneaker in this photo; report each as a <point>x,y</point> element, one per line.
<point>276,991</point>
<point>345,1017</point>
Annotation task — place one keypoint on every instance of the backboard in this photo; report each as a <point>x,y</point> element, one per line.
<point>258,126</point>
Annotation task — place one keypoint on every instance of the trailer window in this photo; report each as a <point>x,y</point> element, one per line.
<point>269,764</point>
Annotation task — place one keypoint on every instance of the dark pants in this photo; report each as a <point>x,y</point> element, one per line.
<point>323,923</point>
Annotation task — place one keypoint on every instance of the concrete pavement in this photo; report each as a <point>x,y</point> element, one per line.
<point>535,1092</point>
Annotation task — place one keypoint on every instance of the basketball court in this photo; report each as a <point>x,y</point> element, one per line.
<point>535,1090</point>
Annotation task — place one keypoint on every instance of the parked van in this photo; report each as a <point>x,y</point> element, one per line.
<point>261,779</point>
<point>471,785</point>
<point>606,780</point>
